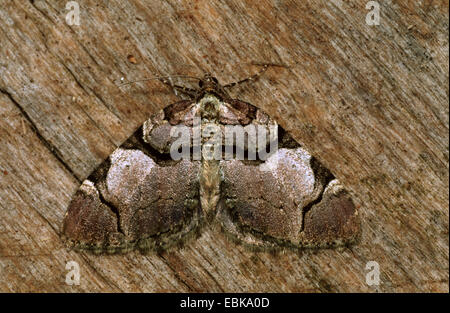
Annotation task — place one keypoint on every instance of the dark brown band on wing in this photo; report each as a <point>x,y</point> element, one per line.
<point>246,111</point>
<point>332,220</point>
<point>172,112</point>
<point>88,221</point>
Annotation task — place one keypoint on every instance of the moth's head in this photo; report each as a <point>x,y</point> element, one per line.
<point>208,83</point>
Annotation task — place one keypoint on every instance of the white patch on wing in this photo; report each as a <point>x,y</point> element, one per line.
<point>129,168</point>
<point>293,170</point>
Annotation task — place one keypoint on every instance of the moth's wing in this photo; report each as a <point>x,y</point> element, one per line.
<point>157,130</point>
<point>332,221</point>
<point>137,198</point>
<point>181,112</point>
<point>289,199</point>
<point>237,112</point>
<point>254,122</point>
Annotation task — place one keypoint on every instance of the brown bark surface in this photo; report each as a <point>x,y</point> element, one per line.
<point>370,102</point>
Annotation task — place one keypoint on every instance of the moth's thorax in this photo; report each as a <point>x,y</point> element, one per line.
<point>209,106</point>
<point>209,86</point>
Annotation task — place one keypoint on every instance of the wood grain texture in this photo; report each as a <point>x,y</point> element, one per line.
<point>370,102</point>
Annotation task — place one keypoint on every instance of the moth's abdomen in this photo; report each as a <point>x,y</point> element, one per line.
<point>209,188</point>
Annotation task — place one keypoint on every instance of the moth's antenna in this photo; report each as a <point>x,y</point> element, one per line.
<point>173,87</point>
<point>160,78</point>
<point>254,77</point>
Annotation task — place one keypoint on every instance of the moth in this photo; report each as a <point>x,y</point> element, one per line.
<point>192,165</point>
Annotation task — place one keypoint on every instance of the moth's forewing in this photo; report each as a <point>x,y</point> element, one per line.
<point>88,222</point>
<point>270,202</point>
<point>139,197</point>
<point>332,221</point>
<point>283,200</point>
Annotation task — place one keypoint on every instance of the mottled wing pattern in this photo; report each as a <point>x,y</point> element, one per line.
<point>296,203</point>
<point>138,197</point>
<point>141,198</point>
